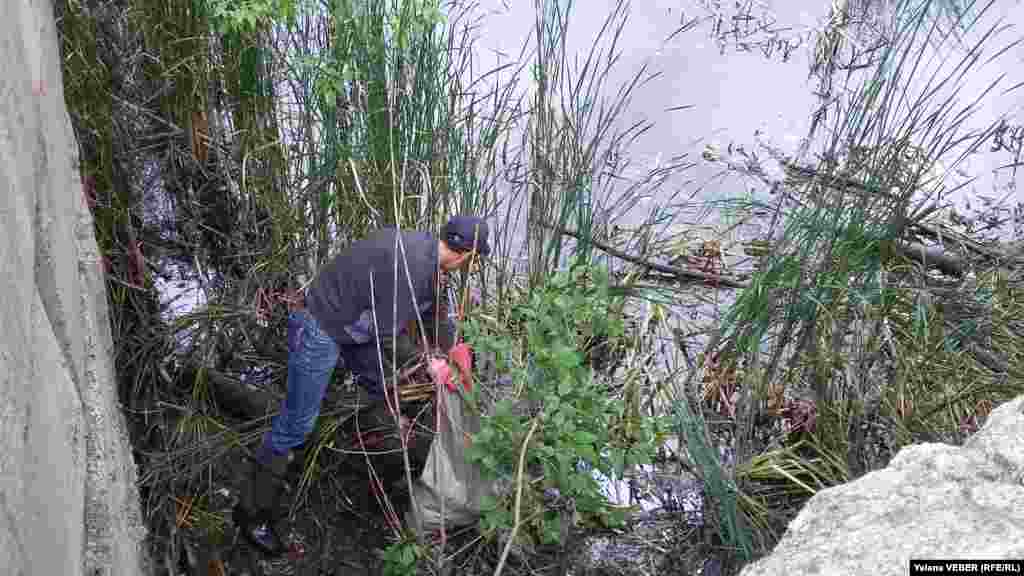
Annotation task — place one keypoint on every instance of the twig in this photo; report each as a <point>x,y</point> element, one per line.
<point>388,510</point>
<point>359,188</point>
<point>519,498</point>
<point>423,338</point>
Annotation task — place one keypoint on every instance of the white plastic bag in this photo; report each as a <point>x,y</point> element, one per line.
<point>451,490</point>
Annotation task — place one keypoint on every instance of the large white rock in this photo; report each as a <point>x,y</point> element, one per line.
<point>932,501</point>
<point>68,499</point>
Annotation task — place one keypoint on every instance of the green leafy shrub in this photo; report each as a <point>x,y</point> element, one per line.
<point>249,15</point>
<point>581,425</point>
<point>401,558</point>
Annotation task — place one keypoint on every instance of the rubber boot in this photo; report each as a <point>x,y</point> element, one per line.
<point>257,509</point>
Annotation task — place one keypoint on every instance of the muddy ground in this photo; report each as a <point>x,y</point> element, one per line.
<point>341,526</point>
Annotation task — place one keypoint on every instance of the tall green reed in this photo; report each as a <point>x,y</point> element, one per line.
<point>877,142</point>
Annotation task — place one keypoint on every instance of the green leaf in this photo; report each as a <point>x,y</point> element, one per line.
<point>484,436</point>
<point>490,462</point>
<point>583,437</point>
<point>630,459</point>
<point>558,420</point>
<point>408,555</point>
<point>581,484</point>
<point>642,457</point>
<point>615,517</point>
<point>618,459</point>
<point>564,468</point>
<point>587,453</point>
<point>565,387</point>
<point>552,529</point>
<point>551,403</point>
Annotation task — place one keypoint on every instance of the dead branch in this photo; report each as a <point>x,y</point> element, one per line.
<point>939,232</point>
<point>680,273</point>
<point>932,257</point>
<point>240,399</point>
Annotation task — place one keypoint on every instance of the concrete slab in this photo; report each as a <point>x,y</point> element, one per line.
<point>68,495</point>
<point>53,457</point>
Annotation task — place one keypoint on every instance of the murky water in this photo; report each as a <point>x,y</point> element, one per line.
<point>180,290</point>
<point>653,490</point>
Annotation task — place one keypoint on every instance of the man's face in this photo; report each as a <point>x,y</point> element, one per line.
<point>465,261</point>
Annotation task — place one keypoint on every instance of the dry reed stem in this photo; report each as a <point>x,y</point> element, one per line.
<point>519,499</point>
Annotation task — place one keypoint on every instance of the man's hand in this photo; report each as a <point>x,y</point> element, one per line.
<point>440,372</point>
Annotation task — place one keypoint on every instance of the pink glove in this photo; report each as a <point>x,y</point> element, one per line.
<point>462,356</point>
<point>441,373</point>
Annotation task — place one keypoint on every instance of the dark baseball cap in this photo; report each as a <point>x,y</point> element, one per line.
<point>459,233</point>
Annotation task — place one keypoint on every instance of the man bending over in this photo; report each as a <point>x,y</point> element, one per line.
<point>344,315</point>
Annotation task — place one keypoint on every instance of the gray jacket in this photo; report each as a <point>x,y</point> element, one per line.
<point>340,296</point>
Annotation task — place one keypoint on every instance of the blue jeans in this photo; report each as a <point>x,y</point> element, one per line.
<point>312,357</point>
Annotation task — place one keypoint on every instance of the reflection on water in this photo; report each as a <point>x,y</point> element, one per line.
<point>179,288</point>
<point>651,490</point>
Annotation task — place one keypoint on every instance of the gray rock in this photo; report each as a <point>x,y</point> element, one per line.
<point>68,497</point>
<point>932,501</point>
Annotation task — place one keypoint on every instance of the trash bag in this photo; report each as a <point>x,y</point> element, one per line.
<point>451,489</point>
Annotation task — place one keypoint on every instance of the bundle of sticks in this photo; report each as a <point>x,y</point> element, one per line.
<point>415,383</point>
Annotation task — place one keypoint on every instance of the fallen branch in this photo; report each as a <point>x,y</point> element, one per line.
<point>939,232</point>
<point>239,399</point>
<point>679,273</point>
<point>947,263</point>
<point>932,257</point>
<point>796,174</point>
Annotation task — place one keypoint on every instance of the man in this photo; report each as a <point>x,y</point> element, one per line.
<point>354,308</point>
